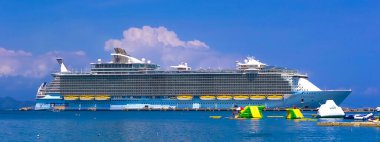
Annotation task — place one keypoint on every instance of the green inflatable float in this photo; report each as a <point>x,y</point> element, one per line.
<point>252,112</point>
<point>293,113</point>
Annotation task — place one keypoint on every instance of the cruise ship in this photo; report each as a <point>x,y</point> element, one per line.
<point>130,83</point>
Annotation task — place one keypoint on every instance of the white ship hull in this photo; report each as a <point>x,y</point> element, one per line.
<point>310,99</point>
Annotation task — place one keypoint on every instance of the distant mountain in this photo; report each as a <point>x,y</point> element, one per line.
<point>7,103</point>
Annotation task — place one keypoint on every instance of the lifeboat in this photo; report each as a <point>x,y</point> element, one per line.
<point>70,98</point>
<point>184,97</point>
<point>207,97</point>
<point>102,98</point>
<point>258,97</point>
<point>275,97</point>
<point>224,98</point>
<point>86,98</point>
<point>241,97</point>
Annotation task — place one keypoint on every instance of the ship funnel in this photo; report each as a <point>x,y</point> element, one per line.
<point>63,67</point>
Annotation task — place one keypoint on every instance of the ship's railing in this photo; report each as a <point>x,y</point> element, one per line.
<point>118,72</point>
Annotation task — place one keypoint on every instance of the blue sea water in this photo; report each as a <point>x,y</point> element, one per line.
<point>169,126</point>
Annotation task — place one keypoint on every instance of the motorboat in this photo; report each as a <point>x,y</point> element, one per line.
<point>359,116</point>
<point>362,116</point>
<point>377,109</point>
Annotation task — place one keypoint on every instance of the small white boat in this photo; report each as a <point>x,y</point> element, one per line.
<point>362,117</point>
<point>377,109</point>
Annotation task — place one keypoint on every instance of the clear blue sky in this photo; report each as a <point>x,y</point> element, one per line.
<point>337,43</point>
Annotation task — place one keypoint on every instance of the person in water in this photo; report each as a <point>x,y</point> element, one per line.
<point>236,112</point>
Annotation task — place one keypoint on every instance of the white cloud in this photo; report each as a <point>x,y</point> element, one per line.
<point>150,37</point>
<point>164,46</point>
<point>25,64</point>
<point>5,52</point>
<point>80,53</point>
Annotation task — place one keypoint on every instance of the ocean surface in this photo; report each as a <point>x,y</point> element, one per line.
<point>167,126</point>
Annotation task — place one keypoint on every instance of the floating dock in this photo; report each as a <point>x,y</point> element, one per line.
<point>355,124</point>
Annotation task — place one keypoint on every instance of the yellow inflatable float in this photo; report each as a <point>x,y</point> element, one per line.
<point>294,113</point>
<point>252,112</point>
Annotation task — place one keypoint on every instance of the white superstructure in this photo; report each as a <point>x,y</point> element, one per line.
<point>250,64</point>
<point>182,67</point>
